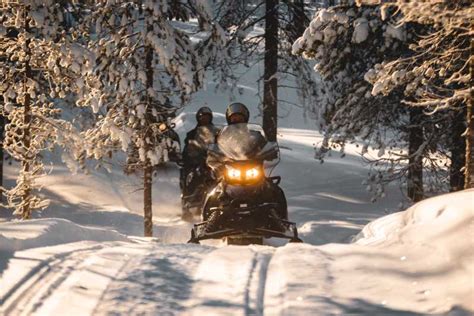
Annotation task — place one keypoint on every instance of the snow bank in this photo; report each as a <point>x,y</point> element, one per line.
<point>421,259</point>
<point>442,219</point>
<point>35,233</point>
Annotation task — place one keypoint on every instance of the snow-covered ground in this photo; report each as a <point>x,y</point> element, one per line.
<point>83,255</point>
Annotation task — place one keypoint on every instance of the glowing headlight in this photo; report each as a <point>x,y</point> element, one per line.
<point>233,173</point>
<point>252,174</point>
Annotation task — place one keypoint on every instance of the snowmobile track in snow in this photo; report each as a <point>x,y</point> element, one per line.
<point>79,277</point>
<point>254,301</point>
<point>41,281</point>
<point>236,277</point>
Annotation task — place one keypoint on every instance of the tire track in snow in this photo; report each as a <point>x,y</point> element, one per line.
<point>157,281</point>
<point>85,286</point>
<point>257,281</point>
<point>41,281</point>
<point>231,281</point>
<point>69,281</point>
<point>299,282</point>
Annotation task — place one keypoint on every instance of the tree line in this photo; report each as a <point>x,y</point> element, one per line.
<point>394,76</point>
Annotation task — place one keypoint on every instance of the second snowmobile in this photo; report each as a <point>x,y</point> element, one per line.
<point>196,177</point>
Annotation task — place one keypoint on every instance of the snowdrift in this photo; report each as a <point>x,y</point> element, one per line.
<point>446,220</point>
<point>420,260</point>
<point>34,233</point>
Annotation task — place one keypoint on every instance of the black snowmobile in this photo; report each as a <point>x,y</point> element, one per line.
<point>245,206</point>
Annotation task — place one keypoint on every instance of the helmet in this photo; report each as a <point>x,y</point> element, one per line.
<point>237,108</point>
<point>203,111</point>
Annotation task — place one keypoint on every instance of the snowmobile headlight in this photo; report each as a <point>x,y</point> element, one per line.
<point>252,174</point>
<point>244,174</point>
<point>233,173</point>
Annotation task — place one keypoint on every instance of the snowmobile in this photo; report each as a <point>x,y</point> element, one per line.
<point>194,190</point>
<point>245,206</point>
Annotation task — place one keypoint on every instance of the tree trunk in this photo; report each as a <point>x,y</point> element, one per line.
<point>301,16</point>
<point>298,19</point>
<point>2,128</point>
<point>270,88</point>
<point>415,168</point>
<point>469,134</point>
<point>147,203</point>
<point>147,167</point>
<point>458,151</point>
<point>25,163</point>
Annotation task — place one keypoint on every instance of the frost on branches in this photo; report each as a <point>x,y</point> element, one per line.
<point>244,23</point>
<point>347,41</point>
<point>144,68</point>
<point>33,74</point>
<point>437,77</point>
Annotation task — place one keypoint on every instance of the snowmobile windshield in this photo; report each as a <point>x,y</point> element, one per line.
<point>241,141</point>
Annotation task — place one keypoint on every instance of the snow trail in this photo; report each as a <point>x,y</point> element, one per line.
<point>157,280</point>
<point>298,281</point>
<point>419,269</point>
<point>231,281</point>
<point>45,276</point>
<point>257,281</point>
<point>85,283</point>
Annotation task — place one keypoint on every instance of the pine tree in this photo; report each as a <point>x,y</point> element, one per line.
<point>437,77</point>
<point>34,61</point>
<point>146,67</point>
<point>347,41</point>
<point>270,81</point>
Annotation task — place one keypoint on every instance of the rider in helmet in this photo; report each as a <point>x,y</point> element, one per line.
<point>194,156</point>
<point>237,113</point>
<point>203,118</point>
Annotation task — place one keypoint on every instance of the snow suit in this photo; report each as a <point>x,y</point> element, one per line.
<point>195,154</point>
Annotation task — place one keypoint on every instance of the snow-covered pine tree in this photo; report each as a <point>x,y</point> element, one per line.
<point>347,41</point>
<point>34,62</point>
<point>437,77</point>
<point>146,66</point>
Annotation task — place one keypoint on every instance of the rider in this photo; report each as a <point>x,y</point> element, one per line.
<point>194,156</point>
<point>238,113</point>
<point>203,118</point>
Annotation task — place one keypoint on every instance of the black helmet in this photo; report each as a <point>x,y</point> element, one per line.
<point>237,108</point>
<point>203,111</point>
